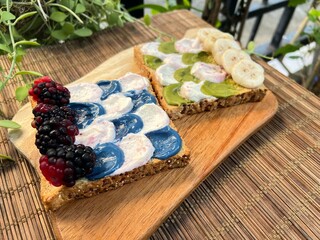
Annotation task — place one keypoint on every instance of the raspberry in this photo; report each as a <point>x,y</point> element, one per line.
<point>43,112</point>
<point>54,132</point>
<point>65,164</point>
<point>45,90</point>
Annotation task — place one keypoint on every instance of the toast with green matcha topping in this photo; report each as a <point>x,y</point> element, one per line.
<point>200,74</point>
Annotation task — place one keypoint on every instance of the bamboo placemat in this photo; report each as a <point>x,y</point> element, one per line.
<point>267,189</point>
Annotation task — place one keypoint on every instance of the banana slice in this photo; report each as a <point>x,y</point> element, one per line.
<point>208,42</point>
<point>220,46</point>
<point>225,35</point>
<point>213,37</point>
<point>232,56</point>
<point>203,33</point>
<point>248,74</point>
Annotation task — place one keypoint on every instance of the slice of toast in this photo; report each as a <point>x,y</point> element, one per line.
<point>55,197</point>
<point>206,104</point>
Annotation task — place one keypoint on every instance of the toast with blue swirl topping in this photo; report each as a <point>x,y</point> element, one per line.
<point>131,136</point>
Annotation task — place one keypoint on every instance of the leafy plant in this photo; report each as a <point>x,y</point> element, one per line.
<point>30,23</point>
<point>310,77</point>
<point>170,5</point>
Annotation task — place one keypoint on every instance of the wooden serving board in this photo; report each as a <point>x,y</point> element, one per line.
<point>136,210</point>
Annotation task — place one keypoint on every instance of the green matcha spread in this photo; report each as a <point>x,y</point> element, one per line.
<point>172,96</point>
<point>224,89</point>
<point>192,58</point>
<point>184,75</point>
<point>152,61</point>
<point>167,47</point>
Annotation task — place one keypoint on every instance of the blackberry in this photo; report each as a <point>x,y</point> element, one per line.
<point>65,164</point>
<point>54,132</point>
<point>43,112</point>
<point>45,90</point>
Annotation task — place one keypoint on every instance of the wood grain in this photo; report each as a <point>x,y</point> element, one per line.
<point>136,210</point>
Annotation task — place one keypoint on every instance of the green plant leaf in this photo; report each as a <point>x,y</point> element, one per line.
<point>113,18</point>
<point>154,12</point>
<point>24,42</point>
<point>98,2</point>
<point>59,34</point>
<point>147,19</point>
<point>109,6</point>
<point>313,15</point>
<point>251,46</point>
<point>128,17</point>
<point>186,3</point>
<point>156,7</point>
<point>68,10</point>
<point>5,48</point>
<point>20,51</point>
<point>67,3</point>
<point>83,32</point>
<point>80,8</point>
<point>286,49</point>
<point>294,3</point>
<point>33,73</point>
<point>120,22</point>
<point>68,28</point>
<point>25,15</point>
<point>22,93</point>
<point>19,58</point>
<point>58,16</point>
<point>218,24</point>
<point>7,16</point>
<point>9,124</point>
<point>5,157</point>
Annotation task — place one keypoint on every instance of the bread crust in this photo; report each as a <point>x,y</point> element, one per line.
<point>55,197</point>
<point>176,112</point>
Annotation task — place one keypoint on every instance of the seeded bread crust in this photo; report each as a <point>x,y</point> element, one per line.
<point>176,112</point>
<point>55,197</point>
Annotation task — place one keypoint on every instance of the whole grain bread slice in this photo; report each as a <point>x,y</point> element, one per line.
<point>176,112</point>
<point>55,197</point>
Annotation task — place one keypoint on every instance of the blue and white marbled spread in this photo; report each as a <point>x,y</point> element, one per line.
<point>123,124</point>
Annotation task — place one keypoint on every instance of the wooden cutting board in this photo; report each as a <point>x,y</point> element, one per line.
<point>136,210</point>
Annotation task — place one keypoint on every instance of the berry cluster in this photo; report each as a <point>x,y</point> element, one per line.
<point>62,162</point>
<point>65,164</point>
<point>54,132</point>
<point>45,90</point>
<point>43,112</point>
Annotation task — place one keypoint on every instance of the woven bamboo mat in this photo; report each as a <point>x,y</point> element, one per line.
<point>267,189</point>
